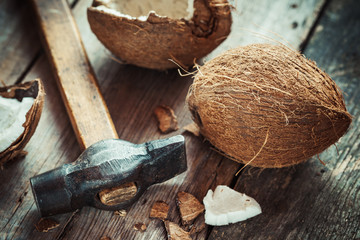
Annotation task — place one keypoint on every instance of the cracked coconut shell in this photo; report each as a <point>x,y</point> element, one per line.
<point>267,106</point>
<point>151,37</point>
<point>33,89</point>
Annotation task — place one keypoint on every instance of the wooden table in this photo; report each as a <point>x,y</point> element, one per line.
<point>307,201</point>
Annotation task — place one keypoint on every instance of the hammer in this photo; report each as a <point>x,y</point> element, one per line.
<point>110,174</point>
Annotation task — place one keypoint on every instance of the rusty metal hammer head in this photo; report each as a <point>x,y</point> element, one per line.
<point>105,165</point>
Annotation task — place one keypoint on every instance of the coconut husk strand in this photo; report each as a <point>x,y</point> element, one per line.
<point>150,41</point>
<point>32,89</point>
<point>267,106</point>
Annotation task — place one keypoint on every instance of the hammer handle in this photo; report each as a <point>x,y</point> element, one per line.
<point>75,77</point>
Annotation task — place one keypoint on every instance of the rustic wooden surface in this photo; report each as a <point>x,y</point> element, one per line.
<point>309,201</point>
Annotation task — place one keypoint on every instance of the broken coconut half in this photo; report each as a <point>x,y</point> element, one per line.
<point>149,33</point>
<point>225,205</point>
<point>20,111</point>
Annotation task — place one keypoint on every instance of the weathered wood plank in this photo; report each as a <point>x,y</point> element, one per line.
<point>313,201</point>
<point>131,94</point>
<point>19,41</point>
<point>261,21</point>
<point>53,144</point>
<point>19,50</point>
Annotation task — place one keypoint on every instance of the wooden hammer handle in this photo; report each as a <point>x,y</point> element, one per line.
<point>76,80</point>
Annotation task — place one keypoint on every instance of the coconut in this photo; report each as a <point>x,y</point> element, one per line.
<point>149,33</point>
<point>20,108</point>
<point>267,106</point>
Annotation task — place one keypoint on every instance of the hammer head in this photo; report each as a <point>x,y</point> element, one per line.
<point>104,165</point>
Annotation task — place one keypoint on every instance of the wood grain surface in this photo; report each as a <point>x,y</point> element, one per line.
<point>296,201</point>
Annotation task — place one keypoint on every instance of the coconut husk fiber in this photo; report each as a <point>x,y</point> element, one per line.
<point>267,106</point>
<point>152,42</point>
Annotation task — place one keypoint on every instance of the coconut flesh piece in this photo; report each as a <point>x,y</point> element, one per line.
<point>13,116</point>
<point>225,205</point>
<point>151,33</point>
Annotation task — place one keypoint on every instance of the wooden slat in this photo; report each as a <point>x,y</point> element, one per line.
<point>259,21</point>
<point>131,94</point>
<point>53,144</point>
<point>313,201</point>
<point>19,41</point>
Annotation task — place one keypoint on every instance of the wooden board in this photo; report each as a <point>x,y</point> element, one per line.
<point>19,42</point>
<point>313,201</point>
<point>131,94</point>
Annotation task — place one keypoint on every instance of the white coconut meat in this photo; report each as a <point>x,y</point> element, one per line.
<point>140,9</point>
<point>13,116</point>
<point>225,206</point>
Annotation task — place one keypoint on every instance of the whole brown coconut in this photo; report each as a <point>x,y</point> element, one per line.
<point>149,33</point>
<point>33,89</point>
<point>267,106</point>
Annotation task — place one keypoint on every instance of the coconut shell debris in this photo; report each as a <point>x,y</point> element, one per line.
<point>267,106</point>
<point>140,227</point>
<point>121,213</point>
<point>159,210</point>
<point>175,232</point>
<point>33,89</point>
<point>150,41</point>
<point>46,224</point>
<point>189,207</point>
<point>166,118</point>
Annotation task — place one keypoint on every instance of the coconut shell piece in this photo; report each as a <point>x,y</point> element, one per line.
<point>166,118</point>
<point>150,41</point>
<point>32,89</point>
<point>189,207</point>
<point>140,227</point>
<point>175,232</point>
<point>267,106</point>
<point>46,224</point>
<point>159,210</point>
<point>121,213</point>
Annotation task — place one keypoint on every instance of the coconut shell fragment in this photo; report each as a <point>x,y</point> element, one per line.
<point>159,210</point>
<point>33,89</point>
<point>189,207</point>
<point>46,224</point>
<point>166,118</point>
<point>175,232</point>
<point>267,106</point>
<point>141,227</point>
<point>149,37</point>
